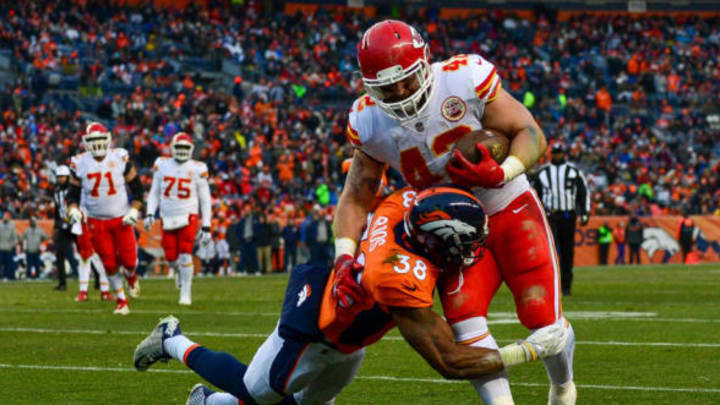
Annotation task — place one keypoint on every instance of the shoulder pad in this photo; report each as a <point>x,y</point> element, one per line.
<point>359,128</point>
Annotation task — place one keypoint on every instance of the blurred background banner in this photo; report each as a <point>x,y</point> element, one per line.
<point>660,240</point>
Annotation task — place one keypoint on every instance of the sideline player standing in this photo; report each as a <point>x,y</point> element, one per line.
<point>413,113</point>
<point>180,187</point>
<point>100,174</point>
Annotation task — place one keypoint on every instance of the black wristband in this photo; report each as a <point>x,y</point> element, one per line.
<point>206,229</point>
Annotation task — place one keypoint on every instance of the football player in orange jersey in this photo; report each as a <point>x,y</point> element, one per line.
<point>318,345</point>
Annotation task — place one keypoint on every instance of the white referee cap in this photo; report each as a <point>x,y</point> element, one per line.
<point>62,170</point>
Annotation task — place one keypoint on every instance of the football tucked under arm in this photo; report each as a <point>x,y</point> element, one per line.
<point>496,143</point>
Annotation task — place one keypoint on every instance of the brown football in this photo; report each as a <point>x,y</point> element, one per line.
<point>497,143</point>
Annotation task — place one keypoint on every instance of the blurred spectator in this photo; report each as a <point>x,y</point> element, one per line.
<point>234,244</point>
<point>8,241</point>
<point>290,235</point>
<point>206,254</point>
<point>222,252</point>
<point>246,233</point>
<point>619,238</point>
<point>32,239</point>
<point>276,258</point>
<point>263,237</point>
<point>634,237</point>
<point>605,239</point>
<point>686,235</point>
<point>319,234</point>
<point>48,261</point>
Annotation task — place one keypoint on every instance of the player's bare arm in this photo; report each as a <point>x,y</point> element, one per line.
<point>357,196</point>
<point>508,116</point>
<point>432,337</point>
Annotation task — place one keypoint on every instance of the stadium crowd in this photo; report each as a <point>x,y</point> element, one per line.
<point>635,99</point>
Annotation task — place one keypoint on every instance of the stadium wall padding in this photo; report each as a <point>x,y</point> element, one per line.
<point>660,239</point>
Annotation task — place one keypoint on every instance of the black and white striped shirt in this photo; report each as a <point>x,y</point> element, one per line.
<point>60,197</point>
<point>562,188</point>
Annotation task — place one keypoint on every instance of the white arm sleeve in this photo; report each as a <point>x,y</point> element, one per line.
<point>154,195</point>
<point>204,197</point>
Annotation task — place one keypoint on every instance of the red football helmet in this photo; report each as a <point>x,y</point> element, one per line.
<point>96,139</point>
<point>181,146</point>
<point>390,52</point>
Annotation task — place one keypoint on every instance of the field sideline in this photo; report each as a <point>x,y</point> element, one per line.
<point>645,335</point>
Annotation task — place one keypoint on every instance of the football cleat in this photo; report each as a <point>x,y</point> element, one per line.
<point>122,307</point>
<point>82,296</point>
<point>151,350</point>
<point>106,296</point>
<point>185,301</point>
<point>198,395</point>
<point>133,284</point>
<point>565,394</point>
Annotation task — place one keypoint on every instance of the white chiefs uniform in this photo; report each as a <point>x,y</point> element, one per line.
<point>103,183</point>
<point>419,148</point>
<point>180,188</point>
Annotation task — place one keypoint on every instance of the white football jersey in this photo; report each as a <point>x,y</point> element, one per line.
<point>419,148</point>
<point>103,183</point>
<point>181,188</point>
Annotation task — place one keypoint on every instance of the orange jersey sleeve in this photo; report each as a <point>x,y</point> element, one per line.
<point>394,275</point>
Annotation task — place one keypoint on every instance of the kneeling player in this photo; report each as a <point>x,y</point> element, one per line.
<point>318,345</point>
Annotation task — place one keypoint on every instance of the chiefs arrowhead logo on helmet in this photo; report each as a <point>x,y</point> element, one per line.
<point>182,147</point>
<point>395,66</point>
<point>97,139</point>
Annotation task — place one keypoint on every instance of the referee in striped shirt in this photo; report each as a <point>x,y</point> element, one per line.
<point>562,188</point>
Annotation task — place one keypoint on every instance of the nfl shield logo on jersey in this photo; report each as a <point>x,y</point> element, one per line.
<point>453,108</point>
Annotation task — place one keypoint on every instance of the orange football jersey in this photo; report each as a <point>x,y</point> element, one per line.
<point>394,276</point>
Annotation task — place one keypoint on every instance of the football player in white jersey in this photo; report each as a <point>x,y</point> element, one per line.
<point>99,180</point>
<point>413,113</point>
<point>181,189</point>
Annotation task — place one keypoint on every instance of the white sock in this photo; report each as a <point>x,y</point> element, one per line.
<point>560,367</point>
<point>176,347</point>
<point>186,273</point>
<point>116,282</point>
<point>494,388</point>
<point>100,268</point>
<point>83,274</point>
<point>221,398</point>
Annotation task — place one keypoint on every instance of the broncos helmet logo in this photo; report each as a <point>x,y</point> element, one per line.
<point>445,228</point>
<point>436,215</point>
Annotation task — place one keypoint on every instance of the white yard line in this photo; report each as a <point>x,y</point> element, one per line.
<point>264,335</point>
<point>496,318</point>
<point>370,377</point>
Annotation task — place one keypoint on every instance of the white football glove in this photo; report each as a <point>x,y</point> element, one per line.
<point>549,340</point>
<point>131,218</point>
<point>148,222</point>
<point>205,236</point>
<point>74,215</point>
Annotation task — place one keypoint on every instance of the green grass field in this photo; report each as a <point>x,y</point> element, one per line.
<point>645,335</point>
